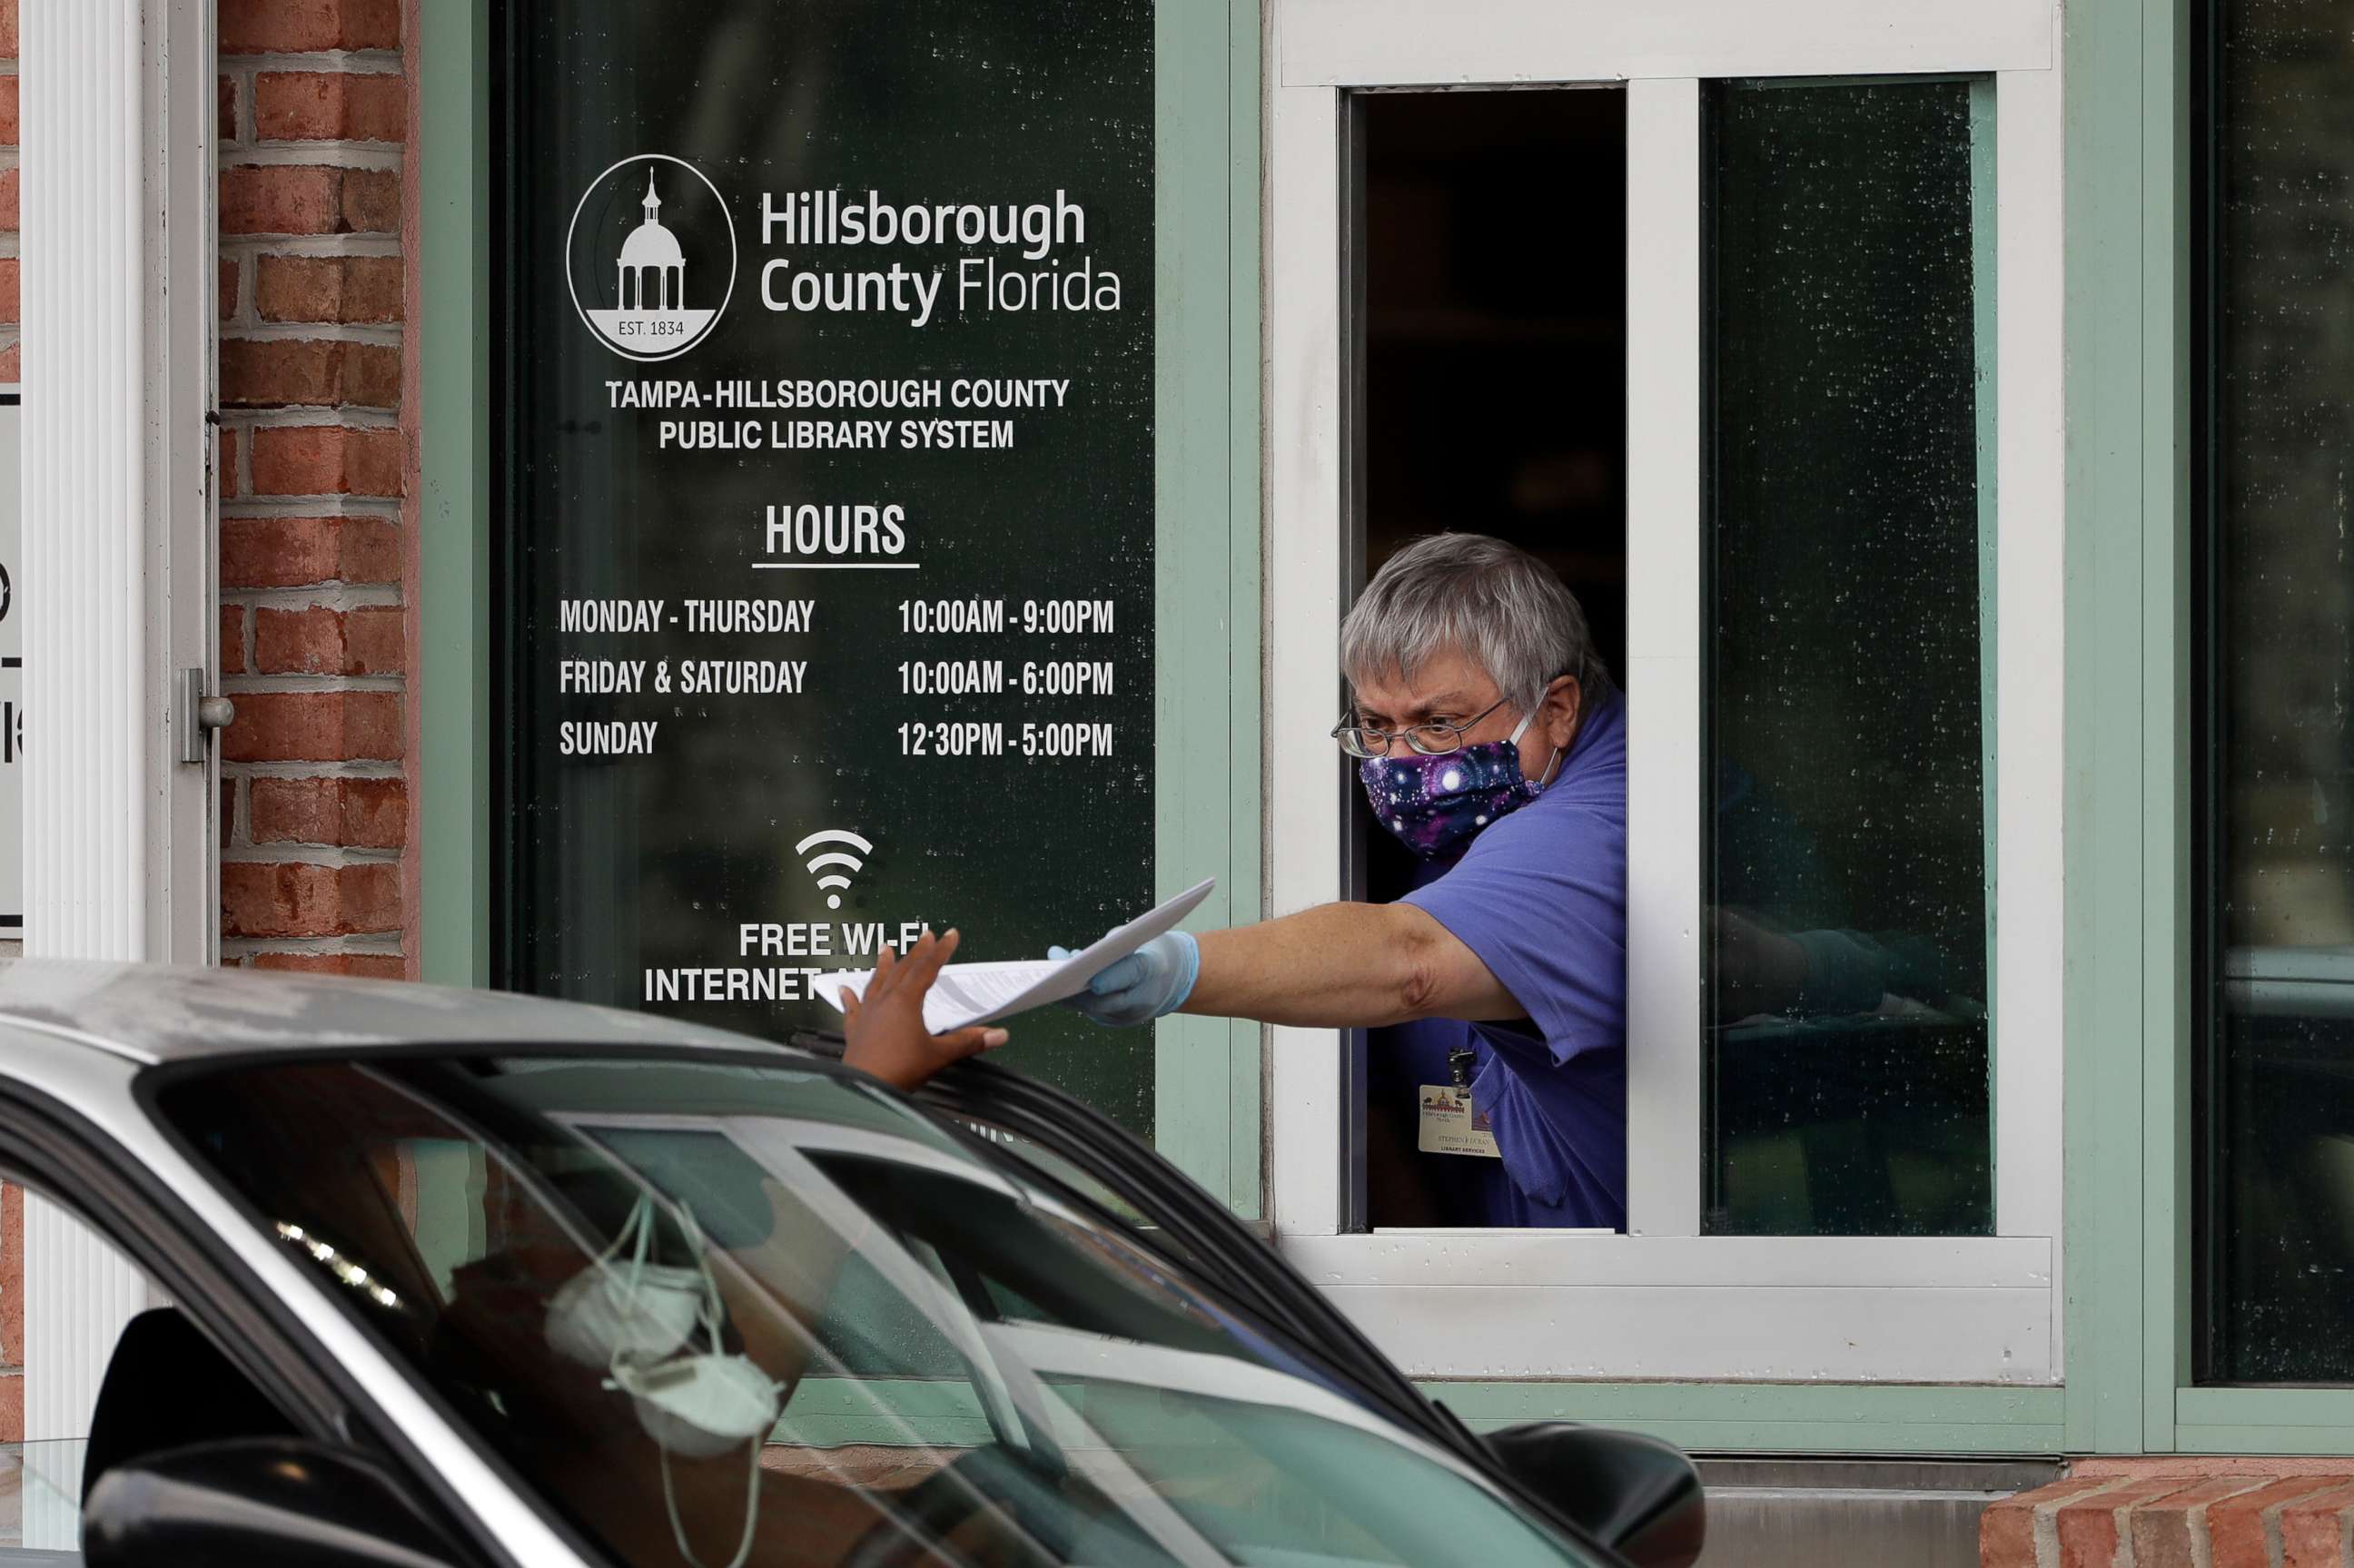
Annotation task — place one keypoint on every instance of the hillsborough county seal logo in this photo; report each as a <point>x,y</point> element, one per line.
<point>651,257</point>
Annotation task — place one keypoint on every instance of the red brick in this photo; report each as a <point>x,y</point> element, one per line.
<point>306,642</point>
<point>328,289</point>
<point>308,198</point>
<point>2235,1527</point>
<point>12,1408</point>
<point>2164,1532</point>
<point>11,206</point>
<point>7,29</point>
<point>296,552</point>
<point>232,639</point>
<point>314,727</point>
<point>12,1277</point>
<point>330,106</point>
<point>295,198</point>
<point>317,640</point>
<point>368,966</point>
<point>2090,1525</point>
<point>232,483</point>
<point>2313,1528</point>
<point>2007,1536</point>
<point>325,459</point>
<point>361,813</point>
<point>227,278</point>
<point>298,900</point>
<point>285,26</point>
<point>2007,1527</point>
<point>277,373</point>
<point>10,310</point>
<point>371,202</point>
<point>7,111</point>
<point>227,811</point>
<point>375,640</point>
<point>2258,1467</point>
<point>224,122</point>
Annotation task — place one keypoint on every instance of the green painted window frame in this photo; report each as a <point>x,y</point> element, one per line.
<point>1207,663</point>
<point>2127,1155</point>
<point>2126,842</point>
<point>2128,1130</point>
<point>2127,1044</point>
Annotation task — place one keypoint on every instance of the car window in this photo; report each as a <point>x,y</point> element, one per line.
<point>722,1316</point>
<point>155,1381</point>
<point>41,1478</point>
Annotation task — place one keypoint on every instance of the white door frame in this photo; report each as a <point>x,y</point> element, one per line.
<point>1665,1301</point>
<point>120,353</point>
<point>119,547</point>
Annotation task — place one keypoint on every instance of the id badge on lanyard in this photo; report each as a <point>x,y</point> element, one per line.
<point>1447,1123</point>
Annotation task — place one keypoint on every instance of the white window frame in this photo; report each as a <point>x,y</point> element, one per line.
<point>1664,1301</point>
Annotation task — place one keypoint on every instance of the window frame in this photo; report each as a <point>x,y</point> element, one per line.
<point>1207,1074</point>
<point>1664,1301</point>
<point>2178,1412</point>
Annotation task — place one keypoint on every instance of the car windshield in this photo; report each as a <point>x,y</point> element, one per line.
<point>721,1314</point>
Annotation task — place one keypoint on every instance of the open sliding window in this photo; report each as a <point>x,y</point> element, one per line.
<point>1747,323</point>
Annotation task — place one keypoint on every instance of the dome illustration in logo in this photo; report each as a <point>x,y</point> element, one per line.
<point>637,286</point>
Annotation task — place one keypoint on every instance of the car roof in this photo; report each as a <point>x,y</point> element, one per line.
<point>157,1013</point>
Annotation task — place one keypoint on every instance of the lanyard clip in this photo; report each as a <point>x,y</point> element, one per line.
<point>1459,1061</point>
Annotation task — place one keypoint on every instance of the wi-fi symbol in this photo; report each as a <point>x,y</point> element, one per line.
<point>832,880</point>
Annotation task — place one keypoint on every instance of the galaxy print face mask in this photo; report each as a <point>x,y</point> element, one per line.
<point>1436,805</point>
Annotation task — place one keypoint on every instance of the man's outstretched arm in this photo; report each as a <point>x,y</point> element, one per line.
<point>1345,965</point>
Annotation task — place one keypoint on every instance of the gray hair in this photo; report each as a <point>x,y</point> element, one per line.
<point>1494,602</point>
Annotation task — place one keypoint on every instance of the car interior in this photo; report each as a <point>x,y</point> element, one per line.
<point>459,1225</point>
<point>167,1386</point>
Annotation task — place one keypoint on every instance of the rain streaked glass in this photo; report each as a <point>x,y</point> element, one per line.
<point>1850,531</point>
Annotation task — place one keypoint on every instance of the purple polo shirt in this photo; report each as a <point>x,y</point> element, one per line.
<point>1540,896</point>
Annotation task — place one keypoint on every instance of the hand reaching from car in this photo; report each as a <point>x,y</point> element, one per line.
<point>885,1028</point>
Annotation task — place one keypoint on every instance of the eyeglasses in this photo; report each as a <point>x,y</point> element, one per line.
<point>1430,739</point>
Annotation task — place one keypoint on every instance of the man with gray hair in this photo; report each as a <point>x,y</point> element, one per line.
<point>1490,739</point>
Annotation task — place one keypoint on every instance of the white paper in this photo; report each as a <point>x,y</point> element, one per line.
<point>982,994</point>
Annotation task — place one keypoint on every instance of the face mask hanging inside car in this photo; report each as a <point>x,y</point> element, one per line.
<point>639,1321</point>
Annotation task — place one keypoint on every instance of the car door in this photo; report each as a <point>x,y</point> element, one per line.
<point>1632,1494</point>
<point>1074,1146</point>
<point>195,1352</point>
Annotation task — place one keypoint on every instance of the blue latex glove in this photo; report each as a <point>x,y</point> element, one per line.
<point>1154,980</point>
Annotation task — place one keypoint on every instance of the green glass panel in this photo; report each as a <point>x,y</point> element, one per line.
<point>1846,969</point>
<point>968,671</point>
<point>2276,1225</point>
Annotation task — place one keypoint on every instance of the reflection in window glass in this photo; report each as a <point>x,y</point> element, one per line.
<point>770,1318</point>
<point>1850,537</point>
<point>2276,1228</point>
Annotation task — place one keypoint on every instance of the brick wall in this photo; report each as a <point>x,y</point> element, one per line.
<point>314,112</point>
<point>2179,1512</point>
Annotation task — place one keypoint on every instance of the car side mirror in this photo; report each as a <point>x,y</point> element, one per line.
<point>1635,1495</point>
<point>281,1500</point>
